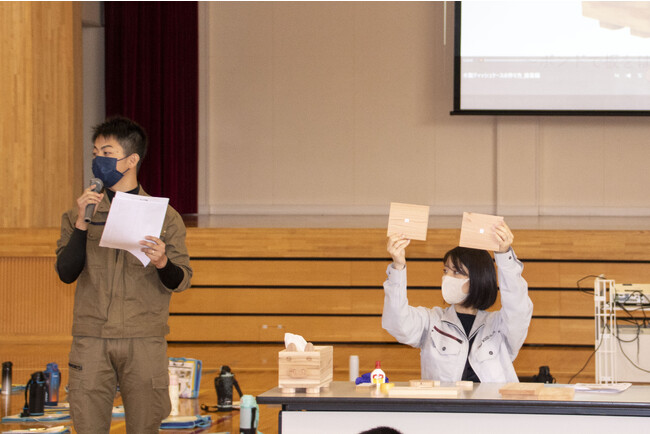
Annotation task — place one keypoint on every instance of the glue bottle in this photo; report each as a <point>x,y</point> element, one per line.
<point>377,376</point>
<point>174,391</point>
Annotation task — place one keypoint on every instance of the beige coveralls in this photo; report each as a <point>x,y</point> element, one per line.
<point>119,326</point>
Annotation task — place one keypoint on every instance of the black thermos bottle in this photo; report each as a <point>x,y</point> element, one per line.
<point>35,395</point>
<point>224,384</point>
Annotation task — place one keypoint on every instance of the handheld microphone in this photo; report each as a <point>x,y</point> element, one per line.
<point>90,208</point>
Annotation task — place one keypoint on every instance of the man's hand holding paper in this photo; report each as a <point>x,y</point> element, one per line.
<point>154,248</point>
<point>131,222</point>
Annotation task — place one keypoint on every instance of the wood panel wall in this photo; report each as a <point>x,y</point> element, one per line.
<point>41,113</point>
<point>326,285</point>
<point>250,286</point>
<point>34,304</point>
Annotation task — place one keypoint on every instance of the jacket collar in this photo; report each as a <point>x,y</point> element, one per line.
<point>105,204</point>
<point>449,315</point>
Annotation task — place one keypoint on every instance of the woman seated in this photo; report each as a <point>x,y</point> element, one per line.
<point>463,341</point>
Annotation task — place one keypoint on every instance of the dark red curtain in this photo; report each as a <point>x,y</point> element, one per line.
<point>152,78</point>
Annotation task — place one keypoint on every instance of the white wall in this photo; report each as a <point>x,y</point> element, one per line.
<point>342,107</point>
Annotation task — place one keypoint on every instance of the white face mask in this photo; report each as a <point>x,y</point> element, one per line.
<point>452,289</point>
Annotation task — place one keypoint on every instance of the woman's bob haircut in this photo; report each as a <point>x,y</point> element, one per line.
<point>482,275</point>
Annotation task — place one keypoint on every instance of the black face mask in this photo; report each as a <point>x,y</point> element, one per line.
<point>105,168</point>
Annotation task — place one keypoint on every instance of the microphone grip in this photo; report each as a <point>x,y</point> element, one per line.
<point>97,185</point>
<point>90,210</point>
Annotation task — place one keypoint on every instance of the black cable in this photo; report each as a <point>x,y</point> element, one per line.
<point>636,338</point>
<point>647,300</point>
<point>587,277</point>
<point>632,319</point>
<point>638,330</point>
<point>210,408</point>
<point>628,359</point>
<point>587,362</point>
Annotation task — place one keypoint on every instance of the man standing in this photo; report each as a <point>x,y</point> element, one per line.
<point>121,307</point>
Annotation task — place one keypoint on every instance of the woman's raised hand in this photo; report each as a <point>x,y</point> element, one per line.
<point>504,236</point>
<point>397,249</point>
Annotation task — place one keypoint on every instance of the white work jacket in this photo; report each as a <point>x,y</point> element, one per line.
<point>440,335</point>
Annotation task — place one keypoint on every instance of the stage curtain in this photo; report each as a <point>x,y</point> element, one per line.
<point>152,78</point>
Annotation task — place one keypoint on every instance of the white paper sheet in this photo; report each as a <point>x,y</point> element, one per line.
<point>602,388</point>
<point>130,219</point>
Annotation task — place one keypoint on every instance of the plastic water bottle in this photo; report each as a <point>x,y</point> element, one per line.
<point>248,415</point>
<point>354,368</point>
<point>52,380</point>
<point>174,391</point>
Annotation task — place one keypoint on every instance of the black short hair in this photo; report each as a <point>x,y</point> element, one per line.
<point>127,133</point>
<point>482,275</point>
<point>381,430</point>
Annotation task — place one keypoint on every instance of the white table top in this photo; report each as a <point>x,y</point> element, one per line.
<point>484,397</point>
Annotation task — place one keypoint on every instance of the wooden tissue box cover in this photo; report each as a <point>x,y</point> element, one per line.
<point>311,369</point>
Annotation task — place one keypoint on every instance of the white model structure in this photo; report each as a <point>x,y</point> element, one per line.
<point>605,321</point>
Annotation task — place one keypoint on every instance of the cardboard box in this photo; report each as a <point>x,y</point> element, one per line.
<point>305,369</point>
